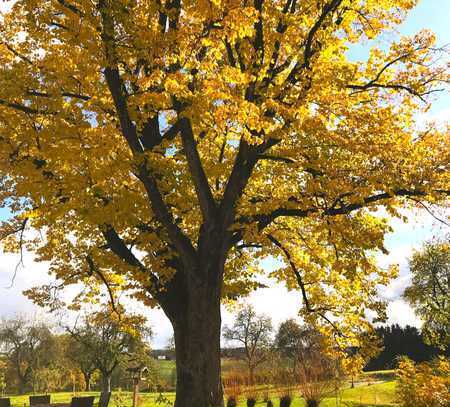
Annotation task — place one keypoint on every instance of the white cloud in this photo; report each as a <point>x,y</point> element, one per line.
<point>394,290</point>
<point>30,274</point>
<point>439,117</point>
<point>276,302</point>
<point>399,312</point>
<point>6,5</point>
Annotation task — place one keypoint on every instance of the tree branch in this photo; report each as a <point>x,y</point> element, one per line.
<point>297,274</point>
<point>94,270</point>
<point>246,159</point>
<point>309,51</point>
<point>118,93</point>
<point>119,248</point>
<point>24,109</point>
<point>202,188</point>
<point>265,220</point>
<point>70,7</point>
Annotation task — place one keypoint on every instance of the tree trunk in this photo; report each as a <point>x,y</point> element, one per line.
<point>251,375</point>
<point>87,381</point>
<point>194,311</point>
<point>22,387</point>
<point>106,383</point>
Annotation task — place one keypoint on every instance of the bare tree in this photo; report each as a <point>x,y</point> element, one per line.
<point>253,331</point>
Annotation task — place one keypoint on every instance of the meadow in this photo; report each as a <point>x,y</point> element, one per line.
<point>367,392</point>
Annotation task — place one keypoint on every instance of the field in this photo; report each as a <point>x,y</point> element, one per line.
<point>371,389</point>
<point>366,394</point>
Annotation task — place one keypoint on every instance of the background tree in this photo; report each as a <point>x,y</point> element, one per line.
<point>429,293</point>
<point>27,347</point>
<point>111,339</point>
<point>399,341</point>
<point>85,361</point>
<point>163,148</point>
<point>54,374</point>
<point>289,341</point>
<point>253,332</point>
<point>2,377</point>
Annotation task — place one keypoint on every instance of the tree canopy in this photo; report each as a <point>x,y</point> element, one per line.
<point>24,344</point>
<point>165,147</point>
<point>108,339</point>
<point>429,292</point>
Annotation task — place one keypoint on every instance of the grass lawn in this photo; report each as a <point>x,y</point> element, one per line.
<point>380,394</point>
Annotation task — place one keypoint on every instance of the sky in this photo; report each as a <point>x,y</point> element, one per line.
<point>276,301</point>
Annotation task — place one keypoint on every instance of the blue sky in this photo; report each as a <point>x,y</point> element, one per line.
<point>276,301</point>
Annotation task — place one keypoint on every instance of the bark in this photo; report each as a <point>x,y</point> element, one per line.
<point>106,383</point>
<point>23,382</point>
<point>87,381</point>
<point>251,371</point>
<point>194,310</point>
<point>22,386</point>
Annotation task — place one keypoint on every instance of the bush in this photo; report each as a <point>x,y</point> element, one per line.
<point>269,403</point>
<point>231,402</point>
<point>285,401</point>
<point>424,384</point>
<point>252,396</point>
<point>233,391</point>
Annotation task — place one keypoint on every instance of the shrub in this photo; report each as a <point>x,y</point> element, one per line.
<point>269,403</point>
<point>285,401</point>
<point>252,396</point>
<point>315,380</point>
<point>231,402</point>
<point>233,391</point>
<point>424,384</point>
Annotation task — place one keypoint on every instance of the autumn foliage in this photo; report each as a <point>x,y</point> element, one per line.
<point>424,384</point>
<point>164,147</point>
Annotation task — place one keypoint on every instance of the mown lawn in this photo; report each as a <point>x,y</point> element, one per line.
<point>380,394</point>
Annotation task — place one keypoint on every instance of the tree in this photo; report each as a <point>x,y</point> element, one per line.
<point>54,374</point>
<point>423,384</point>
<point>2,377</point>
<point>109,339</point>
<point>301,345</point>
<point>27,347</point>
<point>253,331</point>
<point>399,341</point>
<point>85,361</point>
<point>289,341</point>
<point>429,292</point>
<point>163,147</point>
<point>313,370</point>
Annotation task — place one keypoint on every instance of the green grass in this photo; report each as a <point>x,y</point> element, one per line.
<point>166,367</point>
<point>380,394</point>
